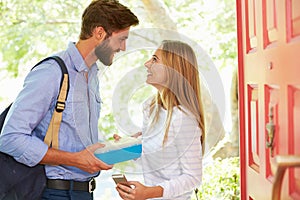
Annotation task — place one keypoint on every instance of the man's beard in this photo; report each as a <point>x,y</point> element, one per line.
<point>104,52</point>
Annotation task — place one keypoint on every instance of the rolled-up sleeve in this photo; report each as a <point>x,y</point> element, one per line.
<point>32,104</point>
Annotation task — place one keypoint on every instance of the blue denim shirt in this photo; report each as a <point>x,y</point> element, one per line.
<point>28,119</point>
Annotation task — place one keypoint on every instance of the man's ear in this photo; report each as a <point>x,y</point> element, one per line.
<point>99,33</point>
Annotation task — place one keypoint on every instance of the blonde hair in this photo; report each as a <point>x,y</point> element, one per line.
<point>182,87</point>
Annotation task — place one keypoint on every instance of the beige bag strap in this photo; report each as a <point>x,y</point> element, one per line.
<point>53,129</point>
<point>51,138</point>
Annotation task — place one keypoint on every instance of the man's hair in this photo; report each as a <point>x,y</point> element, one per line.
<point>109,14</point>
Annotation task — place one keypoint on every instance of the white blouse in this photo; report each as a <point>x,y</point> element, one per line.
<point>177,165</point>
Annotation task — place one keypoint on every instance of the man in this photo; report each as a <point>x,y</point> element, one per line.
<point>105,28</point>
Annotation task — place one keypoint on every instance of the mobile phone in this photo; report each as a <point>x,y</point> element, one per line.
<point>120,178</point>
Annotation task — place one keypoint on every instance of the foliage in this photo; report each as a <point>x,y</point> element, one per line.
<point>211,23</point>
<point>33,29</point>
<point>221,180</point>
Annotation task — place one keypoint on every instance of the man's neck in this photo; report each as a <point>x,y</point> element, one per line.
<point>86,49</point>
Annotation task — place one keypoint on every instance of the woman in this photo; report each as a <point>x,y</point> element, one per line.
<point>173,128</point>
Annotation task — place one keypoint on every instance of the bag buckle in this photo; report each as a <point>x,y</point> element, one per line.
<point>60,106</point>
<point>92,185</point>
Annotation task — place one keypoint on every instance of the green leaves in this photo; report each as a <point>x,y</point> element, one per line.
<point>34,29</point>
<point>221,180</point>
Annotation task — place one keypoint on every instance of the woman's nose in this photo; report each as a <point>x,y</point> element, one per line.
<point>147,64</point>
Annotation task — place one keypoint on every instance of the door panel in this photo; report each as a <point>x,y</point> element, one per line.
<point>269,23</point>
<point>293,18</point>
<point>294,136</point>
<point>271,128</point>
<point>251,24</point>
<point>253,142</point>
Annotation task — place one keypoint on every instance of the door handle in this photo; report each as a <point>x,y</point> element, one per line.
<point>282,163</point>
<point>270,127</point>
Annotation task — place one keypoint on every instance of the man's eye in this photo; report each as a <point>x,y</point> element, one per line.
<point>153,60</point>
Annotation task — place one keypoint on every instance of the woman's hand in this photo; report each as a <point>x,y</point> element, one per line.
<point>118,137</point>
<point>136,135</point>
<point>138,191</point>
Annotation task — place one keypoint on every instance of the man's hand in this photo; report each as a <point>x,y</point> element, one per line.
<point>88,162</point>
<point>84,160</point>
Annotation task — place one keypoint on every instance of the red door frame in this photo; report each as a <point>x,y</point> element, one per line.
<point>241,99</point>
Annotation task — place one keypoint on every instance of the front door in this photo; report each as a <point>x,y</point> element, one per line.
<point>269,94</point>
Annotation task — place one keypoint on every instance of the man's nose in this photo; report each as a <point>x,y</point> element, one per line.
<point>123,45</point>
